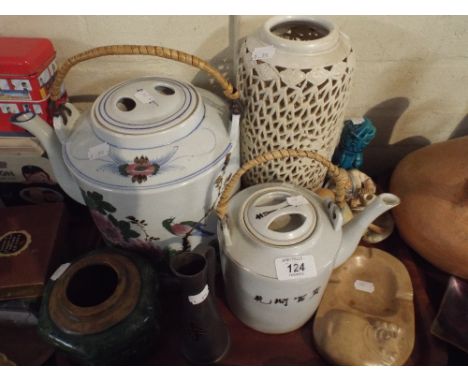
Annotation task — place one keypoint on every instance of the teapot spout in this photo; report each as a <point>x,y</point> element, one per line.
<point>357,226</point>
<point>46,135</point>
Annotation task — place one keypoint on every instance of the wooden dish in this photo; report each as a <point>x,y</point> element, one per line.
<point>366,316</point>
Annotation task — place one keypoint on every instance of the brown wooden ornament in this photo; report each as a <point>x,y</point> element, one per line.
<point>433,216</point>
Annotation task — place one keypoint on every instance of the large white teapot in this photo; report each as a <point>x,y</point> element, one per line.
<point>150,157</point>
<point>279,244</point>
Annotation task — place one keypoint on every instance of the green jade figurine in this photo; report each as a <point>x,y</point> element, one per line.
<point>357,134</point>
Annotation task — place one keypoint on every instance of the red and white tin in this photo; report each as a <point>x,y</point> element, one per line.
<point>27,68</point>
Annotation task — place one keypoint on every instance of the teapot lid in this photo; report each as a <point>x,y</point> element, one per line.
<point>143,112</point>
<point>279,216</point>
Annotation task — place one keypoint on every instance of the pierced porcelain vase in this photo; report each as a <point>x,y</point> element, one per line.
<point>294,78</point>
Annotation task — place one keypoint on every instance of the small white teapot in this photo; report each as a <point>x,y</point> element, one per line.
<point>279,244</point>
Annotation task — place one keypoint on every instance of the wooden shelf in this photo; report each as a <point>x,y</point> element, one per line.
<point>249,347</point>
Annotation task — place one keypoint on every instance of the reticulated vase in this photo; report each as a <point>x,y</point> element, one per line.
<point>294,77</point>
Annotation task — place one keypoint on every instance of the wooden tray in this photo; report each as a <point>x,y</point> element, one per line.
<point>366,316</point>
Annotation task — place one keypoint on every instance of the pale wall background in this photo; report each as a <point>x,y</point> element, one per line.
<point>411,73</point>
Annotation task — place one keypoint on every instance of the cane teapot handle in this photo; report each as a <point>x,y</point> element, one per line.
<point>339,175</point>
<point>148,50</point>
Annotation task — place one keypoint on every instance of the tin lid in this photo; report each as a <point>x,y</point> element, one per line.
<point>280,216</point>
<point>24,55</point>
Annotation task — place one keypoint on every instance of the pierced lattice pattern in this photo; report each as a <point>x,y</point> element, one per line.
<point>291,108</point>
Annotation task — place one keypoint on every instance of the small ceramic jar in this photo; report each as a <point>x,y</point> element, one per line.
<point>279,244</point>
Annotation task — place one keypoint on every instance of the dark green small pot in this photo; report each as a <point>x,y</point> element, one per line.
<point>103,309</point>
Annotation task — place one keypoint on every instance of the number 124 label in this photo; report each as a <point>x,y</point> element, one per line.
<point>296,267</point>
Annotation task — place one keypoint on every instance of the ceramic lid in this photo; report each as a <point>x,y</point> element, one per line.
<point>279,216</point>
<point>146,112</point>
<point>148,133</point>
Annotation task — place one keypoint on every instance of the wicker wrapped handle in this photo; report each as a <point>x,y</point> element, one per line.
<point>339,175</point>
<point>149,50</point>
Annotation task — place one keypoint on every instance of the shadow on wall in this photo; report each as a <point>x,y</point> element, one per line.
<point>381,156</point>
<point>461,130</point>
<point>223,62</point>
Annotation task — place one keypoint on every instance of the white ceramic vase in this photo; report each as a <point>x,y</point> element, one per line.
<point>294,77</point>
